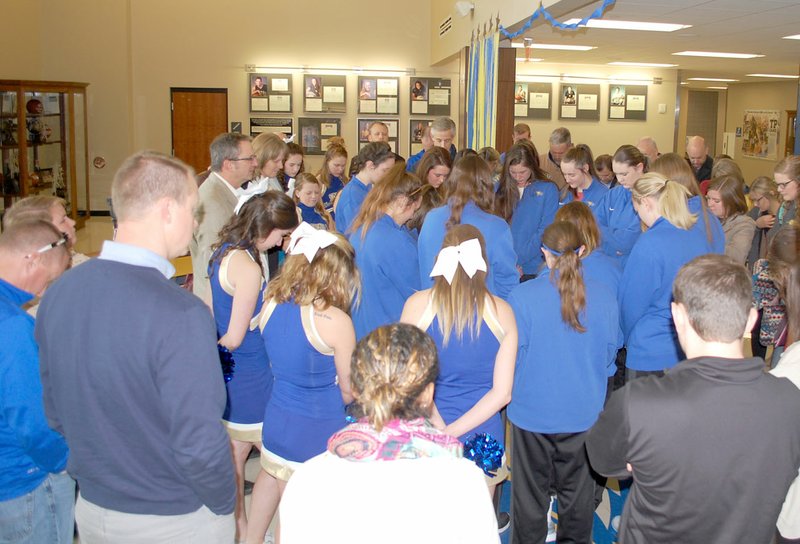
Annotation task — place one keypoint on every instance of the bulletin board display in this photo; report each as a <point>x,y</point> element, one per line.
<point>378,95</point>
<point>533,100</point>
<point>579,101</point>
<point>324,93</point>
<point>430,96</point>
<point>277,125</point>
<point>415,130</point>
<point>270,93</point>
<point>363,131</point>
<point>315,132</point>
<point>627,102</point>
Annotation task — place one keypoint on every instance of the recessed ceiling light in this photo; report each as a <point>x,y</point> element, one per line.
<point>719,79</point>
<point>629,25</point>
<point>718,55</point>
<point>644,64</point>
<point>794,37</point>
<point>782,76</point>
<point>523,59</point>
<point>718,88</point>
<point>555,46</point>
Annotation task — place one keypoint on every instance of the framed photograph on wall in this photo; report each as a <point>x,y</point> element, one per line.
<point>324,94</point>
<point>364,125</point>
<point>627,102</point>
<point>416,128</point>
<point>429,96</point>
<point>378,95</point>
<point>579,101</point>
<point>277,125</point>
<point>314,133</point>
<point>270,93</point>
<point>533,100</point>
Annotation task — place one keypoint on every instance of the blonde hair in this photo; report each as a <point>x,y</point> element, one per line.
<point>330,279</point>
<point>767,187</point>
<point>563,240</point>
<point>789,166</point>
<point>390,369</point>
<point>459,305</point>
<point>726,167</point>
<point>145,178</point>
<point>671,198</point>
<point>269,146</point>
<point>35,207</point>
<point>398,184</point>
<point>675,168</point>
<point>304,178</point>
<point>582,217</point>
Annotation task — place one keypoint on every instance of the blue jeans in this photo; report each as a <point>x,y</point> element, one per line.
<point>46,514</point>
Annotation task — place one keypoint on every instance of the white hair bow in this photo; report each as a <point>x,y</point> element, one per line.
<point>289,139</point>
<point>467,254</point>
<point>256,187</point>
<point>307,240</point>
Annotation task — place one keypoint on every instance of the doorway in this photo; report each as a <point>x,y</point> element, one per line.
<point>198,116</point>
<point>791,128</point>
<point>701,118</point>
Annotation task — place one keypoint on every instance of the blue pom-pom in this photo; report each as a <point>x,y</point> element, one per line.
<point>484,451</point>
<point>226,360</point>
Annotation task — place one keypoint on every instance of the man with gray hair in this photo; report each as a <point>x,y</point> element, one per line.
<point>232,164</point>
<point>443,134</point>
<point>132,377</point>
<point>696,439</point>
<point>560,142</point>
<point>649,149</point>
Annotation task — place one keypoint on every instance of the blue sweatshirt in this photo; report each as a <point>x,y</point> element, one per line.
<point>619,223</point>
<point>717,243</point>
<point>349,205</point>
<point>29,448</point>
<point>592,195</point>
<point>502,275</point>
<point>387,259</point>
<point>603,269</point>
<point>645,293</point>
<point>561,374</point>
<point>535,211</point>
<point>413,161</point>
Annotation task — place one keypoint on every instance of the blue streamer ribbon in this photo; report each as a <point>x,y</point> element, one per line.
<point>226,361</point>
<point>596,14</point>
<point>485,451</point>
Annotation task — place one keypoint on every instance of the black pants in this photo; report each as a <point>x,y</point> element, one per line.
<point>542,461</point>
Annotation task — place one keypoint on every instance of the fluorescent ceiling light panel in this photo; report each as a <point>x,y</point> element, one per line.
<point>717,79</point>
<point>781,76</point>
<point>555,46</point>
<point>643,64</point>
<point>523,59</point>
<point>629,25</point>
<point>718,88</point>
<point>794,37</point>
<point>718,54</point>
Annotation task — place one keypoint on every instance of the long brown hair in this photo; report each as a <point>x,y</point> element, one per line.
<point>525,154</point>
<point>470,181</point>
<point>257,218</point>
<point>398,184</point>
<point>334,150</point>
<point>580,156</point>
<point>563,240</point>
<point>580,215</point>
<point>459,305</point>
<point>435,156</point>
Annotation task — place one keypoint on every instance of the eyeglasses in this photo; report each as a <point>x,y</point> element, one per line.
<point>250,158</point>
<point>783,185</point>
<point>757,200</point>
<point>60,242</point>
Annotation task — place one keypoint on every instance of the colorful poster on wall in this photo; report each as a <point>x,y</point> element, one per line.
<point>760,134</point>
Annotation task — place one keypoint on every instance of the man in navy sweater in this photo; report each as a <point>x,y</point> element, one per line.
<point>132,378</point>
<point>713,445</point>
<point>36,495</point>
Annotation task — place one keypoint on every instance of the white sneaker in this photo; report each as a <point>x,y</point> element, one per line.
<point>551,525</point>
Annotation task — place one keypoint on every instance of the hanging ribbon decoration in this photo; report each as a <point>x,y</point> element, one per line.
<point>596,14</point>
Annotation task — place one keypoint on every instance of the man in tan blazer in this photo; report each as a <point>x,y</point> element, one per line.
<point>232,164</point>
<point>560,142</point>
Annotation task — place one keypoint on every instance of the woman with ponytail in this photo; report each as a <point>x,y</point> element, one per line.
<point>568,332</point>
<point>392,468</point>
<point>581,178</point>
<point>470,200</point>
<point>645,293</point>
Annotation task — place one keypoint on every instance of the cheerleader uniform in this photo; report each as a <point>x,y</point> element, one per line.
<point>535,211</point>
<point>350,201</point>
<point>306,405</point>
<point>387,259</point>
<point>502,275</point>
<point>312,216</point>
<point>330,193</point>
<point>619,223</point>
<point>251,384</point>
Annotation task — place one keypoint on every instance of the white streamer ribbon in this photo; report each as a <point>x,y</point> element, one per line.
<point>307,240</point>
<point>467,254</point>
<point>256,187</point>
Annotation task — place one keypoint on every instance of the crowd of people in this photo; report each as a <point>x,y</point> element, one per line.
<point>573,317</point>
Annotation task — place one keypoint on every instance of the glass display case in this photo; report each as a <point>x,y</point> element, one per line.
<point>43,143</point>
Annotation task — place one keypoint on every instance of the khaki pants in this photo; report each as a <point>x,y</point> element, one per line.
<point>97,525</point>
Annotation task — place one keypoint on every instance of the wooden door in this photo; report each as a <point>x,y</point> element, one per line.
<point>198,116</point>
<point>791,128</point>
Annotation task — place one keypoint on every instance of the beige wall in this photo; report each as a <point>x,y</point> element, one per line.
<point>607,135</point>
<point>780,96</point>
<point>19,39</point>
